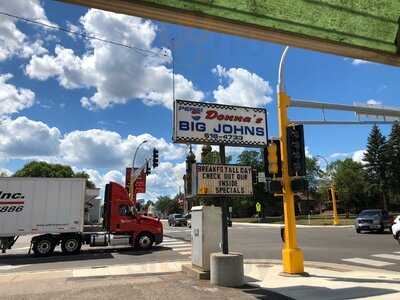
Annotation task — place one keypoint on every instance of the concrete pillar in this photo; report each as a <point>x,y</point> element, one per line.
<point>227,269</point>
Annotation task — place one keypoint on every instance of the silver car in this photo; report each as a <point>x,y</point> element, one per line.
<point>373,220</point>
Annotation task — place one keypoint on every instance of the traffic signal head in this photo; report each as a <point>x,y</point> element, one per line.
<point>155,158</point>
<point>272,157</point>
<point>148,169</point>
<point>296,151</point>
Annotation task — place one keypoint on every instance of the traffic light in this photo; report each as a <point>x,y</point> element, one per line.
<point>296,151</point>
<point>272,158</point>
<point>148,169</point>
<point>155,158</point>
<point>299,184</point>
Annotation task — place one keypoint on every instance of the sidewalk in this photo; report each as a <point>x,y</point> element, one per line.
<point>165,281</point>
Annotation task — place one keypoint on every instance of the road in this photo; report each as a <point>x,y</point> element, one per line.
<point>334,245</point>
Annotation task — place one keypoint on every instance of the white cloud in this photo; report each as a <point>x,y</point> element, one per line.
<point>243,88</point>
<point>104,149</point>
<point>12,40</point>
<point>339,154</point>
<point>13,99</point>
<point>5,171</point>
<point>308,152</point>
<point>93,150</point>
<point>357,62</point>
<point>165,180</point>
<point>373,102</point>
<point>24,138</point>
<point>358,156</point>
<point>117,73</point>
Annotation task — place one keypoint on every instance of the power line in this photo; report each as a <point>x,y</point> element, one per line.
<point>83,35</point>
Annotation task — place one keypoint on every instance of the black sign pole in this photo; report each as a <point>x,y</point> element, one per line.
<point>224,206</point>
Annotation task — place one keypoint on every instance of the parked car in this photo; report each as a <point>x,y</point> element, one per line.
<point>396,229</point>
<point>373,220</point>
<point>176,220</point>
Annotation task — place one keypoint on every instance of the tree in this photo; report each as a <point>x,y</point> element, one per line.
<point>376,164</point>
<point>313,173</point>
<point>393,159</point>
<point>209,156</point>
<point>44,169</point>
<point>350,181</point>
<point>167,205</point>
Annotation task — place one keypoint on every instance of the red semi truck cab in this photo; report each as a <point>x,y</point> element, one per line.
<point>121,218</point>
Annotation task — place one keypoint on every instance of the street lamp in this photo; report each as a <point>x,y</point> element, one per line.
<point>292,256</point>
<point>134,156</point>
<point>133,171</point>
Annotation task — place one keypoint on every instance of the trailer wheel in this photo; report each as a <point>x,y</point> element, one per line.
<point>144,241</point>
<point>43,246</point>
<point>71,245</point>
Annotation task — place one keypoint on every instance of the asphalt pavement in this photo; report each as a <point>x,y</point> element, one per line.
<point>340,245</point>
<point>333,245</point>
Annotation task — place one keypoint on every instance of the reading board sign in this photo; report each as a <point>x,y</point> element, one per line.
<point>223,180</point>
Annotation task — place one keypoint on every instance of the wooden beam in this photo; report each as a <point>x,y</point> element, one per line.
<point>192,18</point>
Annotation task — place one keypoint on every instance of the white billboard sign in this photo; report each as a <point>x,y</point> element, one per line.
<point>223,180</point>
<point>211,123</point>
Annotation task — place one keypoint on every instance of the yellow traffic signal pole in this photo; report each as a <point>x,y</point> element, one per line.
<point>292,256</point>
<point>335,214</point>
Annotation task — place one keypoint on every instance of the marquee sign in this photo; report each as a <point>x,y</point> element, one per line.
<point>211,123</point>
<point>222,180</point>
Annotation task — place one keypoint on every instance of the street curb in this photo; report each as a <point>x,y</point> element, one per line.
<point>297,225</point>
<point>323,266</point>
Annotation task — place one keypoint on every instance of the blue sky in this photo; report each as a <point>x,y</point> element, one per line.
<point>89,104</point>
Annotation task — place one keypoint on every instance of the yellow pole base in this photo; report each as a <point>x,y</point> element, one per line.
<point>293,261</point>
<point>336,222</point>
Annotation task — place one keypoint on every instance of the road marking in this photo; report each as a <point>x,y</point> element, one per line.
<point>370,262</point>
<point>180,246</point>
<point>10,267</point>
<point>388,256</point>
<point>21,248</point>
<point>174,242</point>
<point>185,252</point>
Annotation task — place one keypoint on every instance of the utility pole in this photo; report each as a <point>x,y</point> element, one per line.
<point>292,256</point>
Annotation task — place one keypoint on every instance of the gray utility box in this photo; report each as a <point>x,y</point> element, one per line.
<point>206,234</point>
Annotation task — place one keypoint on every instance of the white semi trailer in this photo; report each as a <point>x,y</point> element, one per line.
<point>52,209</point>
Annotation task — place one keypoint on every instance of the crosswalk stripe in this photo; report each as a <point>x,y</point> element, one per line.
<point>182,249</point>
<point>185,252</point>
<point>387,256</point>
<point>175,244</point>
<point>10,267</point>
<point>176,241</point>
<point>370,262</point>
<point>181,246</point>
